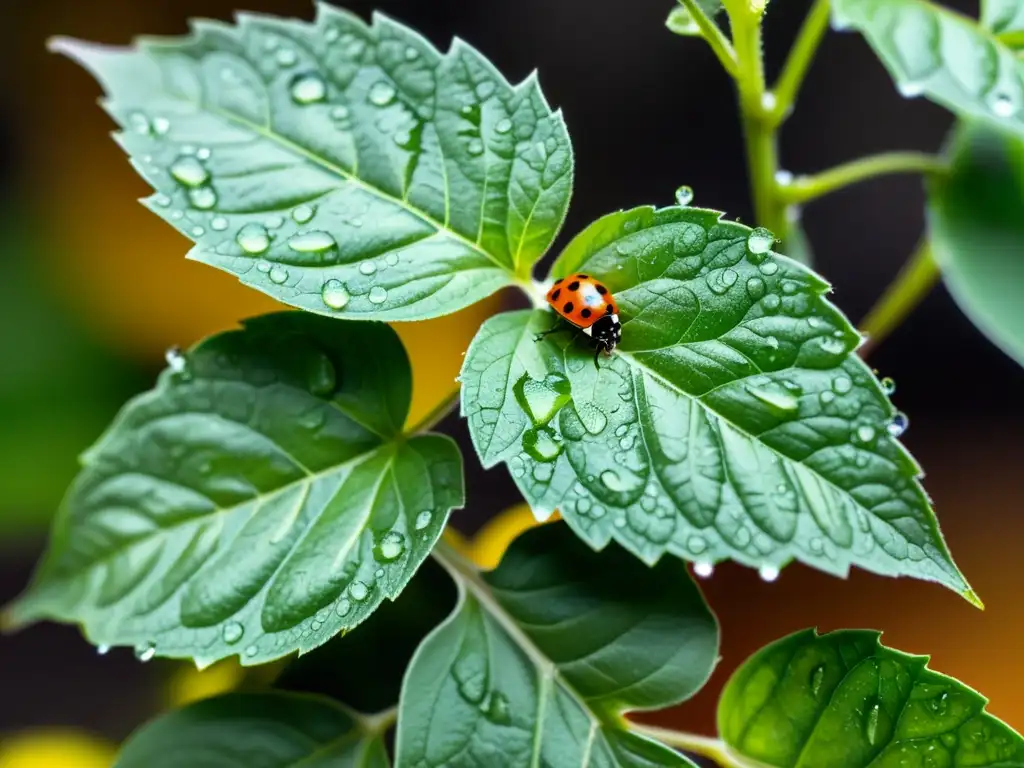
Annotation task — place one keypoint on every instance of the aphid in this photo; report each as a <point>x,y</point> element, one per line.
<point>589,306</point>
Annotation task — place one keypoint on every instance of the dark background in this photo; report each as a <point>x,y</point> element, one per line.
<point>93,288</point>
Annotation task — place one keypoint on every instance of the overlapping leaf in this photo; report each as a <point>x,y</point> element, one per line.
<point>344,169</point>
<point>734,421</point>
<point>681,21</point>
<point>1006,19</point>
<point>543,654</point>
<point>932,51</point>
<point>258,730</point>
<point>261,499</point>
<point>976,219</point>
<point>846,701</point>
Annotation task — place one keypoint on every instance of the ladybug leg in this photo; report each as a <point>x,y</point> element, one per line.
<point>597,355</point>
<point>558,327</point>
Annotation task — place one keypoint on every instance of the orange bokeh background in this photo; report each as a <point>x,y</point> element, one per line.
<point>120,272</point>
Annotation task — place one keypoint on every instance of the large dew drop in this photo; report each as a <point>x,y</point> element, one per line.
<point>334,294</point>
<point>188,171</point>
<point>311,242</point>
<point>253,239</point>
<point>423,519</point>
<point>232,632</point>
<point>684,196</point>
<point>390,547</point>
<point>760,241</point>
<point>542,444</point>
<point>203,198</point>
<point>898,425</point>
<point>377,295</point>
<point>541,400</point>
<point>308,88</point>
<point>381,94</point>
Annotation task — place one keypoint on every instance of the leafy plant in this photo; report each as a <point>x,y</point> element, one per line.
<point>269,495</point>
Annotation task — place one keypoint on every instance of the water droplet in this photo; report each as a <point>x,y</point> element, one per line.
<point>768,101</point>
<point>377,295</point>
<point>343,607</point>
<point>504,126</point>
<point>542,444</point>
<point>381,94</point>
<point>311,242</point>
<point>696,544</point>
<point>391,259</point>
<point>769,268</point>
<point>332,35</point>
<point>303,214</point>
<point>871,724</point>
<point>817,678</point>
<point>411,54</point>
<point>139,122</point>
<point>865,433</point>
<point>888,385</point>
<point>783,403</point>
<point>358,590</point>
<point>198,231</point>
<point>684,195</point>
<point>898,425</point>
<point>253,238</point>
<point>176,360</point>
<point>286,57</point>
<point>760,241</point>
<point>593,419</point>
<point>541,400</point>
<point>103,650</point>
<point>621,481</point>
<point>475,147</point>
<point>390,547</point>
<point>204,153</point>
<point>263,266</point>
<point>232,632</point>
<point>145,652</point>
<point>203,198</point>
<point>756,288</point>
<point>334,294</point>
<point>703,569</point>
<point>251,651</point>
<point>1003,105</point>
<point>485,90</point>
<point>783,178</point>
<point>219,224</point>
<point>161,125</point>
<point>367,268</point>
<point>339,113</point>
<point>940,703</point>
<point>910,90</point>
<point>768,572</point>
<point>187,170</point>
<point>423,519</point>
<point>308,88</point>
<point>278,274</point>
<point>841,385</point>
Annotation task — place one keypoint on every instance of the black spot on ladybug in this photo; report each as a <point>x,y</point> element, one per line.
<point>574,285</point>
<point>582,277</point>
<point>585,313</point>
<point>567,308</point>
<point>601,289</point>
<point>554,296</point>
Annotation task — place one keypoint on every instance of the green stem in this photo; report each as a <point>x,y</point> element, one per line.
<point>379,723</point>
<point>1013,39</point>
<point>713,749</point>
<point>918,276</point>
<point>713,34</point>
<point>799,60</point>
<point>758,131</point>
<point>806,188</point>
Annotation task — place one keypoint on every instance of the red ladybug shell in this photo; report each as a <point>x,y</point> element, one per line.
<point>581,300</point>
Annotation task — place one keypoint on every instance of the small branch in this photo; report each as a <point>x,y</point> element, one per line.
<point>799,60</point>
<point>1013,39</point>
<point>918,276</point>
<point>713,749</point>
<point>713,34</point>
<point>806,188</point>
<point>379,722</point>
<point>437,415</point>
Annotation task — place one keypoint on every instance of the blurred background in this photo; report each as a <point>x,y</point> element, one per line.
<point>93,289</point>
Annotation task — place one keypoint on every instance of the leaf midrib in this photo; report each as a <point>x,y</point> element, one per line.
<point>345,175</point>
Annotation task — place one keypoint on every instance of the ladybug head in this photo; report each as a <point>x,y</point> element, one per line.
<point>606,332</point>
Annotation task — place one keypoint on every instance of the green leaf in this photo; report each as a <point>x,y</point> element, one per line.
<point>976,218</point>
<point>681,21</point>
<point>343,169</point>
<point>543,655</point>
<point>932,51</point>
<point>844,700</point>
<point>258,730</point>
<point>733,421</point>
<point>260,500</point>
<point>1004,17</point>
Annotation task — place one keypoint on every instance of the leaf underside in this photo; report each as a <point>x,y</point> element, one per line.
<point>1003,17</point>
<point>341,168</point>
<point>940,54</point>
<point>844,700</point>
<point>734,420</point>
<point>976,223</point>
<point>543,655</point>
<point>257,502</point>
<point>257,730</point>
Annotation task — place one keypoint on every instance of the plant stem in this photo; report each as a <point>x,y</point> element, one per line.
<point>799,60</point>
<point>440,411</point>
<point>713,34</point>
<point>713,749</point>
<point>379,722</point>
<point>918,276</point>
<point>758,131</point>
<point>807,188</point>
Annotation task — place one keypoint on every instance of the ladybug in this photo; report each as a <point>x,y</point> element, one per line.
<point>588,305</point>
